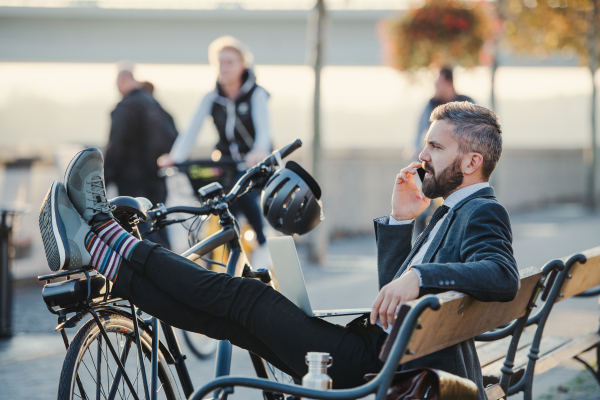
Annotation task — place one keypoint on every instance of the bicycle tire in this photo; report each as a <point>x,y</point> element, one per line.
<point>202,352</point>
<point>120,328</point>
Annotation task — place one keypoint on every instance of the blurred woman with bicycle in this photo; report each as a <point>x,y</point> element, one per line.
<point>239,110</point>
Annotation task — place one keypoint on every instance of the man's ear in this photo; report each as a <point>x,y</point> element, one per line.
<point>473,163</point>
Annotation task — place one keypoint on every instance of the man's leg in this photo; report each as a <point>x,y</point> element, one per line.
<point>264,312</point>
<point>150,299</point>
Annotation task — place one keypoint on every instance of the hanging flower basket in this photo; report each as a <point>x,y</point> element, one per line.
<point>438,33</point>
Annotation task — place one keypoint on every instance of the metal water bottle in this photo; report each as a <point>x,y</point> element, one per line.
<point>317,377</point>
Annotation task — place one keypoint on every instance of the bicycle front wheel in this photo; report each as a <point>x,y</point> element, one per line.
<point>91,372</point>
<point>202,346</point>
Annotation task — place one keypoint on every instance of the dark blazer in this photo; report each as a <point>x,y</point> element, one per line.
<point>471,253</point>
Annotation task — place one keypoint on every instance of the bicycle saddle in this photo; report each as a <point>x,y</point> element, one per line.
<point>131,205</point>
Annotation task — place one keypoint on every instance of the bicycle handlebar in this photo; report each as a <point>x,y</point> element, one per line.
<point>284,152</point>
<point>252,173</point>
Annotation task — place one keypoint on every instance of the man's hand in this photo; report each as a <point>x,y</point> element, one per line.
<point>401,290</point>
<point>407,202</point>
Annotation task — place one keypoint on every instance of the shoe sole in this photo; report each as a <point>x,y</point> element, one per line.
<point>71,164</point>
<point>54,234</point>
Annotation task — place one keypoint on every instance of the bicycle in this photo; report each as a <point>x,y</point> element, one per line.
<point>200,173</point>
<point>101,350</point>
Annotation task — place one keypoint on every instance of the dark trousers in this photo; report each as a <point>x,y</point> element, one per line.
<point>247,313</point>
<point>248,205</point>
<point>156,192</point>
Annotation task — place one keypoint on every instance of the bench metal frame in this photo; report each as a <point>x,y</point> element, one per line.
<point>516,328</point>
<point>380,385</point>
<point>553,294</point>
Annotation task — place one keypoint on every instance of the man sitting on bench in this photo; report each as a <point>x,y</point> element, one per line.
<point>466,247</point>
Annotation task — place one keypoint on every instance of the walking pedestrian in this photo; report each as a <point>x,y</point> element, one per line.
<point>141,130</point>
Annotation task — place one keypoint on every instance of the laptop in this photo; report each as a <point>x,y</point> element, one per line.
<point>291,280</point>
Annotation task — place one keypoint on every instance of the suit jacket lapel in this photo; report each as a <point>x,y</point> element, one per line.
<point>441,233</point>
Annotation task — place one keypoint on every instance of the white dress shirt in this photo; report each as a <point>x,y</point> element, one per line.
<point>450,202</point>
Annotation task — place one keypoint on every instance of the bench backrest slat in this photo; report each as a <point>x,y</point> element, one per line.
<point>583,276</point>
<point>461,317</point>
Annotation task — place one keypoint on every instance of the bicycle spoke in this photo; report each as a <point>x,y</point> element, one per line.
<point>99,369</point>
<point>124,351</point>
<point>136,380</point>
<point>80,387</point>
<point>95,369</point>
<point>107,366</point>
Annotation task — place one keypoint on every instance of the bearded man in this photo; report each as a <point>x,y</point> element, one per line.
<point>466,247</point>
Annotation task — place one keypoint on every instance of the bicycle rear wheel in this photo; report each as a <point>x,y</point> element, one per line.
<point>90,371</point>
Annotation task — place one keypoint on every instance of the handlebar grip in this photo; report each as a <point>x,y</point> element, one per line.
<point>284,152</point>
<point>163,212</point>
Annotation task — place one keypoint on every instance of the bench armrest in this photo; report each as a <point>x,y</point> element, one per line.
<point>227,383</point>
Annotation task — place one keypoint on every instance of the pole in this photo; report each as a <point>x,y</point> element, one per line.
<point>318,240</point>
<point>591,159</point>
<point>6,287</point>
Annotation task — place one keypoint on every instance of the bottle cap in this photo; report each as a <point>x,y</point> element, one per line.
<point>314,357</point>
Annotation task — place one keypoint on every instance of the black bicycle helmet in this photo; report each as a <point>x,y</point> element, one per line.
<point>290,200</point>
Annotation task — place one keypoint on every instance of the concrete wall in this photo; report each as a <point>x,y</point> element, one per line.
<point>357,184</point>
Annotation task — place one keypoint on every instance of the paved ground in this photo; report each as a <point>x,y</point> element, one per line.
<point>30,362</point>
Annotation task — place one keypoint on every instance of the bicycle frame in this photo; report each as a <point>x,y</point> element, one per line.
<point>228,235</point>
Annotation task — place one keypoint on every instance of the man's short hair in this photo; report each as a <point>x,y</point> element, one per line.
<point>446,72</point>
<point>476,128</point>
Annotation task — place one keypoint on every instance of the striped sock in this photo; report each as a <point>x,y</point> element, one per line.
<point>116,237</point>
<point>104,259</point>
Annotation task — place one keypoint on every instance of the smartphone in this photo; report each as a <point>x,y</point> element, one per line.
<point>419,177</point>
<point>421,172</point>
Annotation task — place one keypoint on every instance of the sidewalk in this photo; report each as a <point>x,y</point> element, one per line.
<point>30,362</point>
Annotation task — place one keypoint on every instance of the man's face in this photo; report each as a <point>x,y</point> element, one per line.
<point>442,160</point>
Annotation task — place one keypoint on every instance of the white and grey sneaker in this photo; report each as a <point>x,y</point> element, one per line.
<point>84,182</point>
<point>63,231</point>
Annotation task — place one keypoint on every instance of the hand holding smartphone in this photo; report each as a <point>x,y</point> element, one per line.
<point>419,182</point>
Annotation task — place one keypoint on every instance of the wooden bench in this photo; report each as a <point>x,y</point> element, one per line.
<point>535,354</point>
<point>424,326</point>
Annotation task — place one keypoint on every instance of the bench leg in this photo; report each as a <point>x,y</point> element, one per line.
<point>596,374</point>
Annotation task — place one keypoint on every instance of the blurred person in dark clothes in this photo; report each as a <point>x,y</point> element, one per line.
<point>444,93</point>
<point>140,132</point>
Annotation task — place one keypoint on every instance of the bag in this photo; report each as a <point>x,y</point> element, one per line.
<point>161,134</point>
<point>429,384</point>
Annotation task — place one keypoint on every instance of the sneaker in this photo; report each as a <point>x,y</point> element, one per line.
<point>84,183</point>
<point>63,231</point>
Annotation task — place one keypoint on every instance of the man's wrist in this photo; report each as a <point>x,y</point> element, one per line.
<point>419,275</point>
<point>394,221</point>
